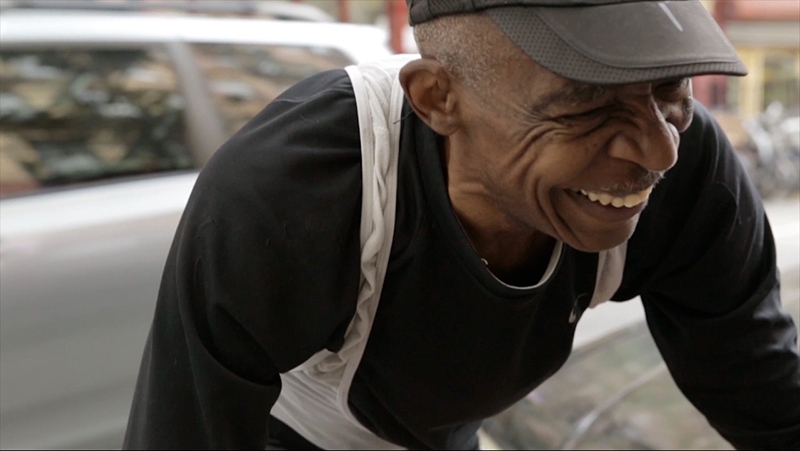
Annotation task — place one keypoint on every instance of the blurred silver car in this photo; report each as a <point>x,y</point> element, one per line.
<point>105,119</point>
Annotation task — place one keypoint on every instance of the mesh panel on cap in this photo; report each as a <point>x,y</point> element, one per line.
<point>536,39</point>
<point>420,11</point>
<point>425,10</point>
<point>438,7</point>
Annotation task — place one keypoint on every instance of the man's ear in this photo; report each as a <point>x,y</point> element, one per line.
<point>429,90</point>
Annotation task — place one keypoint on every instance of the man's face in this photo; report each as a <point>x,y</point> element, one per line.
<point>574,161</point>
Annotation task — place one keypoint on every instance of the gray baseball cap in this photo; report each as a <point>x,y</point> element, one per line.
<point>605,41</point>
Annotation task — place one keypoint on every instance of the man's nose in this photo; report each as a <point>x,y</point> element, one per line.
<point>646,139</point>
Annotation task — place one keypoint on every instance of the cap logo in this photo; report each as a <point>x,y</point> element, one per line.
<point>671,16</point>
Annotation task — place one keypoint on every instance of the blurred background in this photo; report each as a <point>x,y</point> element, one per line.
<point>109,108</point>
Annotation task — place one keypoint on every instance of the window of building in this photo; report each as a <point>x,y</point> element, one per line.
<point>243,78</point>
<point>781,80</point>
<point>75,116</point>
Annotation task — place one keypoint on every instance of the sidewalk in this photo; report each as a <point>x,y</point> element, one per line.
<point>784,217</point>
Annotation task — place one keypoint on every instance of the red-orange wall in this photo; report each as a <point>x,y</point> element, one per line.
<point>765,10</point>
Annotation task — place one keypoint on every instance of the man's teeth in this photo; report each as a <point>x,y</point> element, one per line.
<point>629,201</point>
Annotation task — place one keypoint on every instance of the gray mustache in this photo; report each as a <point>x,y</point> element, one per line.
<point>646,179</point>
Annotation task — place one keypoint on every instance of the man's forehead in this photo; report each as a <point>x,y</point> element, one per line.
<point>577,92</point>
<point>569,93</point>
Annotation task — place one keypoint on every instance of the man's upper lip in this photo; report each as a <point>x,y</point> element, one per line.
<point>633,183</point>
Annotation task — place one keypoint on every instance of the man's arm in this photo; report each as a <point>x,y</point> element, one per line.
<point>262,273</point>
<point>205,381</point>
<point>713,306</point>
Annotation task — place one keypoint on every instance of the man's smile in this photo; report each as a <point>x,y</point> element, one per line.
<point>618,200</point>
<point>610,207</point>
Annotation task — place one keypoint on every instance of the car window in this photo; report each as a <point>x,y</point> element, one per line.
<point>243,78</point>
<point>74,116</point>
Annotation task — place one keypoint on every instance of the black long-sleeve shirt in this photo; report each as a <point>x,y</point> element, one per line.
<point>264,272</point>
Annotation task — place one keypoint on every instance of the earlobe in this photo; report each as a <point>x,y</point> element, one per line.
<point>428,87</point>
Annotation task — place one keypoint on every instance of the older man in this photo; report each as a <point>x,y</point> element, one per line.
<point>547,156</point>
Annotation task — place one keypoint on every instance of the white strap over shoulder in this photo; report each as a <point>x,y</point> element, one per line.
<point>314,396</point>
<point>610,266</point>
<point>380,147</point>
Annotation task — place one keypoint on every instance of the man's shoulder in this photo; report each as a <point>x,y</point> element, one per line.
<point>308,133</point>
<point>317,112</point>
<point>333,83</point>
<point>296,163</point>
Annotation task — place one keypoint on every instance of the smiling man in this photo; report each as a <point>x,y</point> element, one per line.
<point>386,255</point>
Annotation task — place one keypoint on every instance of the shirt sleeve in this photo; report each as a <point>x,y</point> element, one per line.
<point>262,273</point>
<point>712,301</point>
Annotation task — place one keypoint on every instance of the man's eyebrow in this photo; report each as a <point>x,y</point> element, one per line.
<point>574,94</point>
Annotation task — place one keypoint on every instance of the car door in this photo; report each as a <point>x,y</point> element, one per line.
<point>97,165</point>
<point>100,147</point>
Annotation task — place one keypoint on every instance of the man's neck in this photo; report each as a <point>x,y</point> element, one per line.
<point>516,256</point>
<point>515,253</point>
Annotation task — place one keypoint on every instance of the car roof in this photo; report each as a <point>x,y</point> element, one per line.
<point>273,9</point>
<point>360,42</point>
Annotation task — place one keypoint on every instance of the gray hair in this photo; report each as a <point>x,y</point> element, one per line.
<point>470,46</point>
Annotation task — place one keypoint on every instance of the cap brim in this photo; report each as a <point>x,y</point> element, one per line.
<point>621,43</point>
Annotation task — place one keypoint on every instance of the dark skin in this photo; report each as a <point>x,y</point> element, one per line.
<point>515,166</point>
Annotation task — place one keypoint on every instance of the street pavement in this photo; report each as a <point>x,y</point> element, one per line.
<point>609,317</point>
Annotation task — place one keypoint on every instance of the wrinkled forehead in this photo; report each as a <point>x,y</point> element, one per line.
<point>540,91</point>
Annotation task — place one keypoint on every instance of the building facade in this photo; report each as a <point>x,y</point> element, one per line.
<point>766,34</point>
